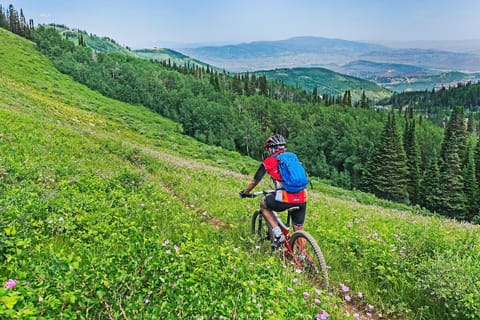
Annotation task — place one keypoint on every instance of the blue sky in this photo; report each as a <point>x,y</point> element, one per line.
<point>152,23</point>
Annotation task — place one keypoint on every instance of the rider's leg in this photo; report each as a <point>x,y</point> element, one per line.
<point>268,215</point>
<point>298,224</point>
<point>272,222</point>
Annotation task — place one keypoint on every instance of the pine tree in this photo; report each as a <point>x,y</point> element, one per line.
<point>386,172</point>
<point>470,186</point>
<point>430,191</point>
<point>476,157</point>
<point>364,103</point>
<point>262,84</point>
<point>13,20</point>
<point>452,197</point>
<point>3,18</point>
<point>411,151</point>
<point>315,95</point>
<point>452,159</point>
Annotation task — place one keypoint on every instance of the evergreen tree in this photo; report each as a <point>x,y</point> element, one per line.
<point>452,160</point>
<point>476,157</point>
<point>262,80</point>
<point>471,127</point>
<point>455,137</point>
<point>315,95</point>
<point>470,187</point>
<point>386,172</point>
<point>411,151</point>
<point>430,191</point>
<point>237,85</point>
<point>13,20</point>
<point>3,18</point>
<point>452,197</point>
<point>364,103</point>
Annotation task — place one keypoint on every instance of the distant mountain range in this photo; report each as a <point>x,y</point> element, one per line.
<point>400,69</point>
<point>312,60</point>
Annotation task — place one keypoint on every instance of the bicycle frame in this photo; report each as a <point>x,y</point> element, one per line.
<point>284,227</point>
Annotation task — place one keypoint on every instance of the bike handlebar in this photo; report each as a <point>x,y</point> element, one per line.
<point>260,193</point>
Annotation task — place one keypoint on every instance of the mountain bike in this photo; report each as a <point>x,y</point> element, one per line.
<point>300,249</point>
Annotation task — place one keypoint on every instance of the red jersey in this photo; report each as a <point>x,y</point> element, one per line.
<point>270,165</point>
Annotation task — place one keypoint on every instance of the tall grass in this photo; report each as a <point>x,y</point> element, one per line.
<point>108,211</point>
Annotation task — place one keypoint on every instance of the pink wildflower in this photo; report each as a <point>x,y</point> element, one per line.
<point>344,287</point>
<point>176,248</point>
<point>317,301</point>
<point>360,295</point>
<point>10,284</point>
<point>348,298</point>
<point>356,316</point>
<point>165,243</point>
<point>289,289</point>
<point>322,316</point>
<point>306,295</point>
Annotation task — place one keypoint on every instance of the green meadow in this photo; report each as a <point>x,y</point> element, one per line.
<point>107,211</point>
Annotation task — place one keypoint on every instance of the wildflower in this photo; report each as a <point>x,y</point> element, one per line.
<point>40,299</point>
<point>165,243</point>
<point>306,295</point>
<point>295,280</point>
<point>344,287</point>
<point>370,307</point>
<point>10,284</point>
<point>317,291</point>
<point>317,301</point>
<point>368,314</point>
<point>360,295</point>
<point>356,316</point>
<point>289,289</point>
<point>176,248</point>
<point>298,271</point>
<point>168,251</point>
<point>322,316</point>
<point>348,298</point>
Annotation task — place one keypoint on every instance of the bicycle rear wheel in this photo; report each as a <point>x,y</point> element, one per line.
<point>308,254</point>
<point>260,227</point>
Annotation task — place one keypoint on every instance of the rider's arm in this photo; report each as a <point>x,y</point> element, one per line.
<point>256,179</point>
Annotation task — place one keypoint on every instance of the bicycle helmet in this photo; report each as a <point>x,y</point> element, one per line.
<point>275,140</point>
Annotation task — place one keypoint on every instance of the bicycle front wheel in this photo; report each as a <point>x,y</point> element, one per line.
<point>260,226</point>
<point>308,255</point>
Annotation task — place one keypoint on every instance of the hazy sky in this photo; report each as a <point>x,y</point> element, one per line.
<point>143,23</point>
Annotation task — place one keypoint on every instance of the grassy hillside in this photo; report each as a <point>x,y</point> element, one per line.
<point>108,211</point>
<point>163,54</point>
<point>327,82</point>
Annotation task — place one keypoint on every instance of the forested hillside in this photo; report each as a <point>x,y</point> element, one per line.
<point>436,104</point>
<point>337,142</point>
<point>108,211</point>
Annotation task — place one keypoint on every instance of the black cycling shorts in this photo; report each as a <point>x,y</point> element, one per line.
<point>298,217</point>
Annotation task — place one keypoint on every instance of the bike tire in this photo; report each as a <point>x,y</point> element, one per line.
<point>260,227</point>
<point>312,259</point>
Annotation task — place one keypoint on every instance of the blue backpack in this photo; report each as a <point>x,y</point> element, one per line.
<point>294,177</point>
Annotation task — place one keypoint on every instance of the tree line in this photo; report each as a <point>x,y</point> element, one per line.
<point>394,155</point>
<point>15,21</point>
<point>436,104</point>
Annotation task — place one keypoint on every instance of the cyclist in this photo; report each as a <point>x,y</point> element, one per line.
<point>280,200</point>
